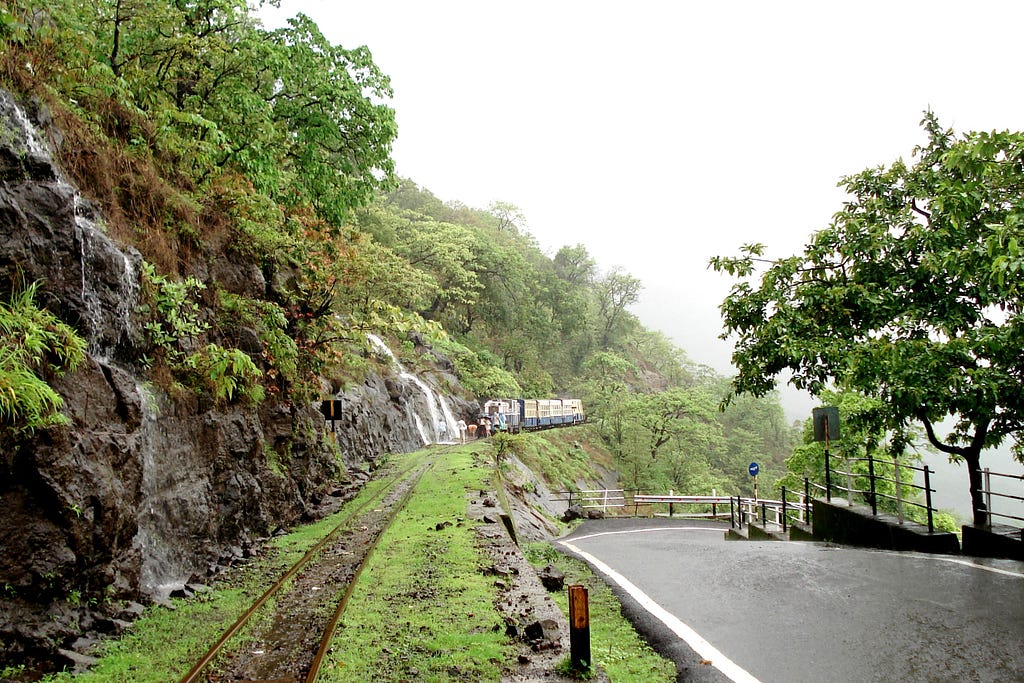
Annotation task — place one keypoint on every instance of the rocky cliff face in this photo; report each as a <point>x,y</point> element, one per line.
<point>141,491</point>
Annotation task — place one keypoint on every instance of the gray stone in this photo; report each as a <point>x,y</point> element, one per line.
<point>552,578</point>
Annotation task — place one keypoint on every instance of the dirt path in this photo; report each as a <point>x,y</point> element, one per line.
<point>284,647</point>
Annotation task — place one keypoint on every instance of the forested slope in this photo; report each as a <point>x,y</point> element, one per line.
<point>202,225</point>
<point>199,132</point>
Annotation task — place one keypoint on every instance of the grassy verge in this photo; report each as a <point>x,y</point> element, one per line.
<point>564,456</point>
<point>422,610</point>
<point>614,645</point>
<point>163,644</point>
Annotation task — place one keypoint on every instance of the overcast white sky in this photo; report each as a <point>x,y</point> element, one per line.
<point>659,134</point>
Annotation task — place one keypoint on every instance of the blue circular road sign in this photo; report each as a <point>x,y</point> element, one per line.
<point>754,469</point>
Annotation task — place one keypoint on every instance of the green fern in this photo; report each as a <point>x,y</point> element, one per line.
<point>35,346</point>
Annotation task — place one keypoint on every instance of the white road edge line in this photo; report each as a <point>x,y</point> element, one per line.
<point>697,643</point>
<point>973,565</point>
<point>646,530</point>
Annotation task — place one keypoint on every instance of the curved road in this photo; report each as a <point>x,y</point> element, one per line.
<point>768,611</point>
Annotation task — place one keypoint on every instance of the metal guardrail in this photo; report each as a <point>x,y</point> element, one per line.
<point>712,501</point>
<point>596,499</point>
<point>986,489</point>
<point>872,494</point>
<point>784,512</point>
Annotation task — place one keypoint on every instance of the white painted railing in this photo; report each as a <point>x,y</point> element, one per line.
<point>601,499</point>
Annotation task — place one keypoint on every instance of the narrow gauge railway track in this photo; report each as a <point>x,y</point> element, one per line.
<point>308,599</point>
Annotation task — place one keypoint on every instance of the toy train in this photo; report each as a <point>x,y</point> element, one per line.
<point>517,414</point>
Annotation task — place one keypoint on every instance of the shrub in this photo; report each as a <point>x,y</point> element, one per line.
<point>35,346</point>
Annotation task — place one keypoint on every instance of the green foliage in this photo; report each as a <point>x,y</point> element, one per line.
<point>223,373</point>
<point>504,444</point>
<point>859,437</point>
<point>173,312</point>
<point>668,435</point>
<point>582,673</point>
<point>280,352</point>
<point>904,297</point>
<point>477,371</point>
<point>175,325</point>
<point>35,346</point>
<point>564,456</point>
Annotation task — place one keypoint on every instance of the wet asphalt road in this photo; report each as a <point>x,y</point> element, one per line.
<point>793,611</point>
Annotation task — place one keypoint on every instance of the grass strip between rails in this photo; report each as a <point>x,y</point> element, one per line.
<point>163,644</point>
<point>614,645</point>
<point>422,610</point>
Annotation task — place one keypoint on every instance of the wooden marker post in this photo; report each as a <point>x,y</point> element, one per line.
<point>579,628</point>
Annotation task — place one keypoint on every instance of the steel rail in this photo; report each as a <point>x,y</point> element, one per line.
<point>200,666</point>
<point>332,626</point>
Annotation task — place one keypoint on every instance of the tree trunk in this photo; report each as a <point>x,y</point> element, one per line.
<point>972,456</point>
<point>973,459</point>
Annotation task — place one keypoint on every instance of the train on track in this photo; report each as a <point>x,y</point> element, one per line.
<point>528,414</point>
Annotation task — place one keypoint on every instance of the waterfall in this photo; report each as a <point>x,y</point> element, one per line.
<point>102,285</point>
<point>160,557</point>
<point>34,146</point>
<point>431,406</point>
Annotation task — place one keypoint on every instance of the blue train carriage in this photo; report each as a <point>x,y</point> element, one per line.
<point>506,414</point>
<point>535,413</point>
<point>574,411</point>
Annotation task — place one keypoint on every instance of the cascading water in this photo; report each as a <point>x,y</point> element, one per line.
<point>431,405</point>
<point>99,285</point>
<point>158,575</point>
<point>106,277</point>
<point>110,284</point>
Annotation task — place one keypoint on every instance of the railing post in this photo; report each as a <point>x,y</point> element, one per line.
<point>987,486</point>
<point>871,479</point>
<point>849,482</point>
<point>783,509</point>
<point>714,506</point>
<point>928,496</point>
<point>764,514</point>
<point>807,500</point>
<point>828,476</point>
<point>899,490</point>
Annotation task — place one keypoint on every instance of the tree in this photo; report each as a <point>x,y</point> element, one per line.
<point>686,414</point>
<point>910,296</point>
<point>575,265</point>
<point>509,216</point>
<point>614,292</point>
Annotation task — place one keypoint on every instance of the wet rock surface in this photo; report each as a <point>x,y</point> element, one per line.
<point>143,492</point>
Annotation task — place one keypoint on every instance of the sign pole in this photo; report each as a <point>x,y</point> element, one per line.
<point>828,466</point>
<point>826,428</point>
<point>754,469</point>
